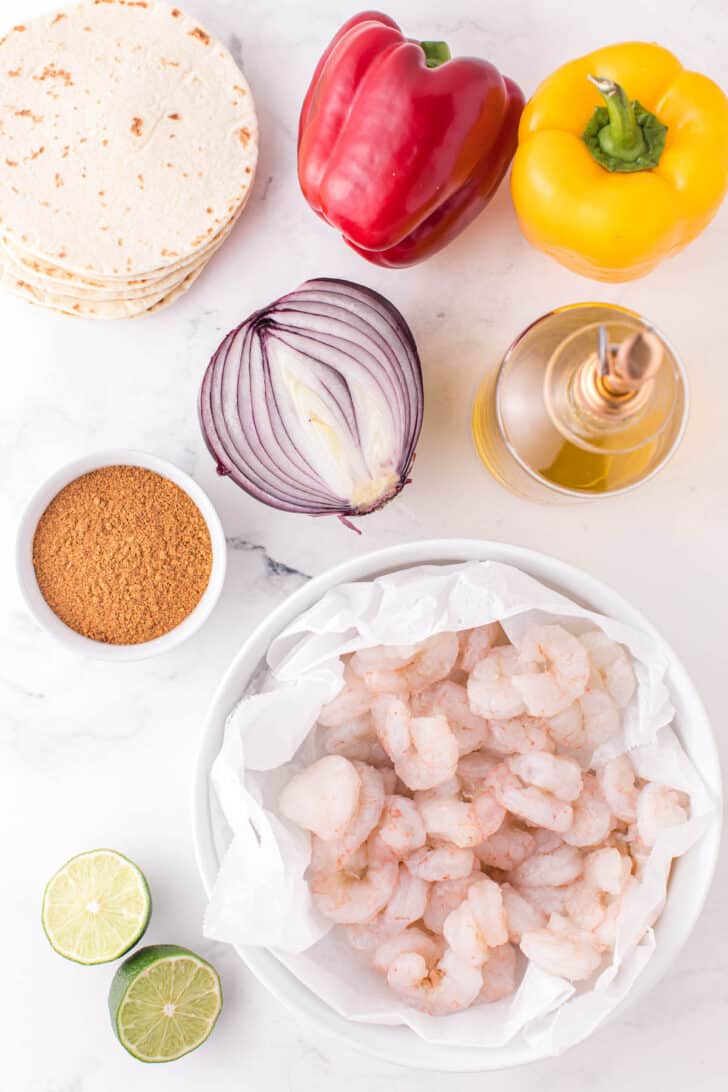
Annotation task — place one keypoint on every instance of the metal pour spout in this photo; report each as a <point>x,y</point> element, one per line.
<point>615,383</point>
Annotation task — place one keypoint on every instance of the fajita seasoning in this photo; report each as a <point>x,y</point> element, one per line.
<point>122,555</point>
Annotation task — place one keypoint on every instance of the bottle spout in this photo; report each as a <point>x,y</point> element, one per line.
<point>631,365</point>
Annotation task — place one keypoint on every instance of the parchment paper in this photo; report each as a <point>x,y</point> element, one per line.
<point>261,896</point>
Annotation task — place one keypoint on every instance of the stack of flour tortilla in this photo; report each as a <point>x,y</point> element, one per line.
<point>128,145</point>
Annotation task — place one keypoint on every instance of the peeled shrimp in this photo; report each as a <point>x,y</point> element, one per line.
<point>592,817</point>
<point>324,797</point>
<point>438,988</point>
<point>450,818</point>
<point>534,805</point>
<point>477,643</point>
<point>522,916</point>
<point>555,869</point>
<point>565,674</point>
<point>411,941</point>
<point>351,897</point>
<point>506,848</point>
<point>353,700</point>
<point>473,769</point>
<point>478,924</point>
<point>499,974</point>
<point>441,863</point>
<point>617,781</point>
<point>328,856</point>
<point>552,900</point>
<point>613,666</point>
<point>444,897</point>
<point>407,903</point>
<point>519,735</point>
<point>433,660</point>
<point>567,729</point>
<point>554,773</point>
<point>451,701</point>
<point>401,829</point>
<point>491,689</point>
<point>356,739</point>
<point>573,956</point>
<point>658,808</point>
<point>606,872</point>
<point>423,749</point>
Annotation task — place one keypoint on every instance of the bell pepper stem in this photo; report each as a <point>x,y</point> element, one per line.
<point>623,137</point>
<point>436,53</point>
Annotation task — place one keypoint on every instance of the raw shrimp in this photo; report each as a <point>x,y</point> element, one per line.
<point>519,735</point>
<point>658,808</point>
<point>407,904</point>
<point>356,739</point>
<point>546,840</point>
<point>491,691</point>
<point>411,940</point>
<point>573,956</point>
<point>477,643</point>
<point>438,988</point>
<point>567,729</point>
<point>353,700</point>
<point>478,924</point>
<point>617,781</point>
<point>566,672</point>
<point>334,854</point>
<point>423,749</point>
<point>522,916</point>
<point>489,813</point>
<point>444,897</point>
<point>401,829</point>
<point>555,869</point>
<point>554,773</point>
<point>473,769</point>
<point>606,872</point>
<point>534,805</point>
<point>605,934</point>
<point>450,818</point>
<point>324,797</point>
<point>441,863</point>
<point>506,848</point>
<point>499,974</point>
<point>432,661</point>
<point>351,897</point>
<point>612,664</point>
<point>552,900</point>
<point>382,658</point>
<point>592,817</point>
<point>451,701</point>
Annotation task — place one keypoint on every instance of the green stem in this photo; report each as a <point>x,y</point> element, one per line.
<point>436,53</point>
<point>622,135</point>
<point>622,138</point>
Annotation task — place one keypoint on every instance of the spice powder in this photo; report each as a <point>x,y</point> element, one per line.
<point>122,555</point>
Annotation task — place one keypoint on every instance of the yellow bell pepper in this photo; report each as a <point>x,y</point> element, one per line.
<point>622,160</point>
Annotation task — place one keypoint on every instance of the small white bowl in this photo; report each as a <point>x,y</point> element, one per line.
<point>691,875</point>
<point>99,650</point>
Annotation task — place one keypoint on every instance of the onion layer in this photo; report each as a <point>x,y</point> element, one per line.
<point>314,404</point>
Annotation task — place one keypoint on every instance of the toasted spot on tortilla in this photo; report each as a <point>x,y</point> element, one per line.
<point>50,72</point>
<point>244,136</point>
<point>198,32</point>
<point>173,117</point>
<point>136,126</point>
<point>11,162</point>
<point>57,179</point>
<point>57,18</point>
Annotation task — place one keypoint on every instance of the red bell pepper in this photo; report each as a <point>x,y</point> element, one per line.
<point>400,147</point>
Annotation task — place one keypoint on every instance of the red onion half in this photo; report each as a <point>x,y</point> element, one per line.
<point>314,404</point>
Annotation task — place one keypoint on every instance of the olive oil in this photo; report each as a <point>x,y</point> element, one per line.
<point>558,420</point>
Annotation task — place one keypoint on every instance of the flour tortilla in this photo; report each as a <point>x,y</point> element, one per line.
<point>96,309</point>
<point>37,275</point>
<point>128,139</point>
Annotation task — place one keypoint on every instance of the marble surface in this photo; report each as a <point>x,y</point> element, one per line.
<point>94,754</point>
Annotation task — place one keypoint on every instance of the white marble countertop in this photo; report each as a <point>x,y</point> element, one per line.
<point>102,754</point>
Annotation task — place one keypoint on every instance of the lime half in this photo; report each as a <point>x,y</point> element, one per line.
<point>164,1002</point>
<point>96,907</point>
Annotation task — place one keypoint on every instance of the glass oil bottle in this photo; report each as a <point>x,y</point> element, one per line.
<point>589,401</point>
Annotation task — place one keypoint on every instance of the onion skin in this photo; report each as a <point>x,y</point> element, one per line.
<point>314,404</point>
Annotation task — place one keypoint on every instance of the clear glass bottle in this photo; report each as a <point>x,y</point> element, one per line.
<point>559,421</point>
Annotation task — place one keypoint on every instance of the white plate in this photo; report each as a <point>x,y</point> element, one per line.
<point>692,873</point>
